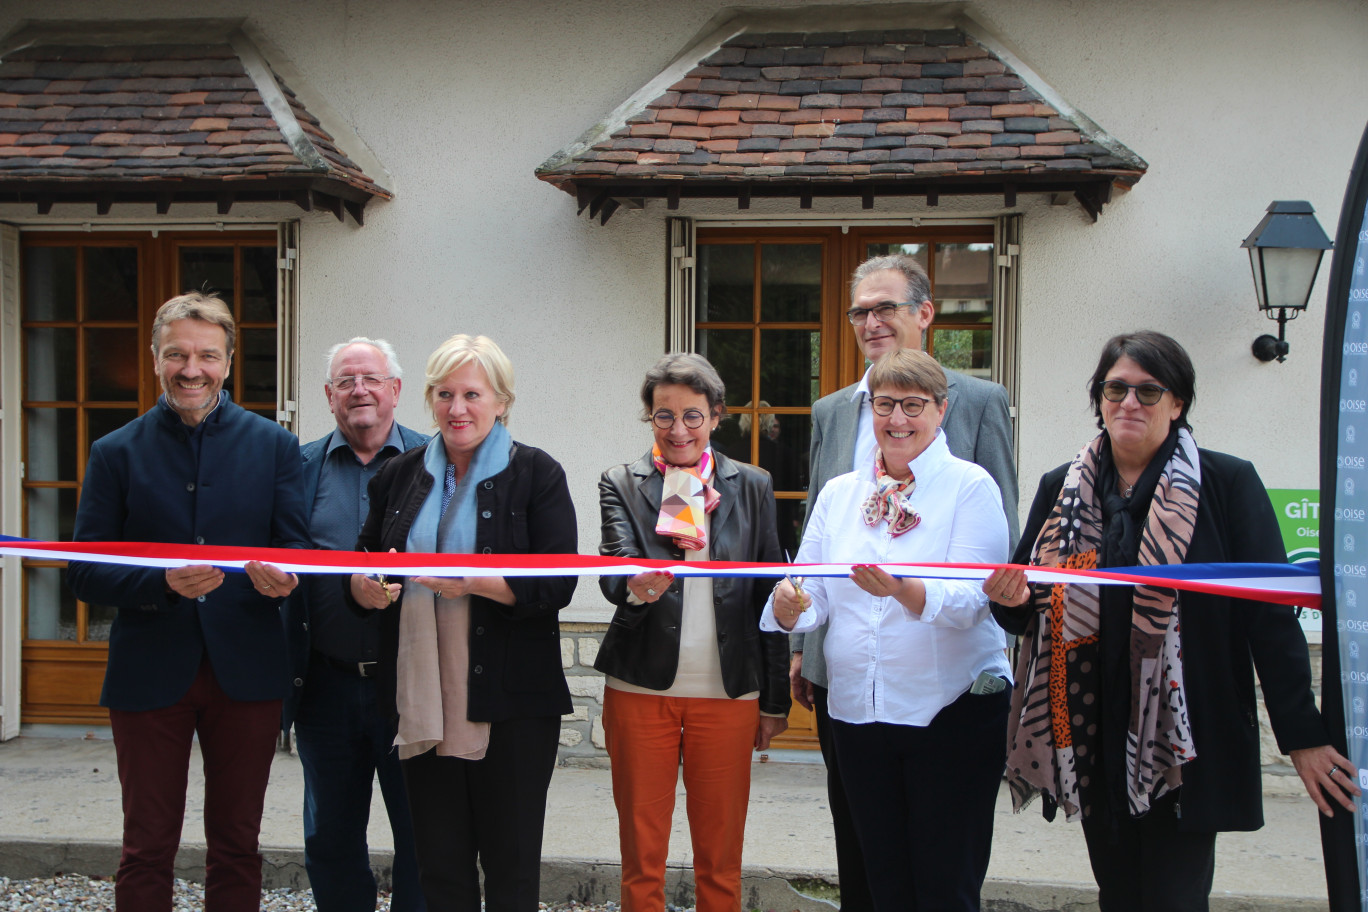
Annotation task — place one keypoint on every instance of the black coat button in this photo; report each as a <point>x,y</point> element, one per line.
<point>485,514</point>
<point>479,631</point>
<point>478,669</point>
<point>190,486</point>
<point>489,485</point>
<point>299,682</point>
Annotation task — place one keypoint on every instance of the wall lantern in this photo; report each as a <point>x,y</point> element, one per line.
<point>1285,251</point>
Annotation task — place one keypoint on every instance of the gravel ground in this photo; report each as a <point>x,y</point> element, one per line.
<point>78,893</point>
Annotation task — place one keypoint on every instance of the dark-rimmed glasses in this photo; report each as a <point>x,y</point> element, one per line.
<point>693,419</point>
<point>911,405</point>
<point>858,316</point>
<point>1145,393</point>
<point>370,382</point>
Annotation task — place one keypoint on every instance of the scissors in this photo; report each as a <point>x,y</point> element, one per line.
<point>382,580</point>
<point>795,581</point>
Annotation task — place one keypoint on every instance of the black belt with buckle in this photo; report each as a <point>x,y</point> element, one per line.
<point>360,669</point>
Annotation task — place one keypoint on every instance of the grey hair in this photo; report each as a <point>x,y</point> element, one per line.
<point>685,369</point>
<point>391,359</point>
<point>918,282</point>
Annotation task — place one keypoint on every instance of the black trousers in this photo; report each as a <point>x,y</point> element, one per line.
<point>850,863</point>
<point>1146,864</point>
<point>923,798</point>
<point>491,810</point>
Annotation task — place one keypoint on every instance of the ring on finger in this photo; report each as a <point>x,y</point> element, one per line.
<point>1333,770</point>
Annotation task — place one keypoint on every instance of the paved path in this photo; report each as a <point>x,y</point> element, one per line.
<point>60,810</point>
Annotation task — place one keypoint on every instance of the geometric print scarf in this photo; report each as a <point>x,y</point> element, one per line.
<point>1052,733</point>
<point>685,500</point>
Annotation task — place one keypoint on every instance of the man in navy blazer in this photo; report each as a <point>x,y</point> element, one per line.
<point>193,651</point>
<point>344,737</point>
<point>891,309</point>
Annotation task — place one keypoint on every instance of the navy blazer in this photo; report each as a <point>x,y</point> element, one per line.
<point>296,607</point>
<point>142,484</point>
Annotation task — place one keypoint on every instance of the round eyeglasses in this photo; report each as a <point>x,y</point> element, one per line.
<point>371,382</point>
<point>911,405</point>
<point>858,316</point>
<point>1145,393</point>
<point>693,419</point>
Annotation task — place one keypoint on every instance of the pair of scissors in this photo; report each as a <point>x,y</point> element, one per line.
<point>795,581</point>
<point>382,580</point>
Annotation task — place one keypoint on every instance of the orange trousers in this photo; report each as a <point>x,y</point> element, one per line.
<point>648,738</point>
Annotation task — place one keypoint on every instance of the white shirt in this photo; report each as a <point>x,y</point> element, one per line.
<point>863,454</point>
<point>884,663</point>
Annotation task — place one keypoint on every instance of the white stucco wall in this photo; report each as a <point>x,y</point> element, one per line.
<point>1233,104</point>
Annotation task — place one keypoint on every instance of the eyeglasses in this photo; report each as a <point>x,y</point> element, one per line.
<point>369,382</point>
<point>912,405</point>
<point>884,311</point>
<point>1145,393</point>
<point>693,419</point>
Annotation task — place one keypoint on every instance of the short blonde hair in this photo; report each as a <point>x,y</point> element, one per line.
<point>458,351</point>
<point>911,370</point>
<point>194,305</point>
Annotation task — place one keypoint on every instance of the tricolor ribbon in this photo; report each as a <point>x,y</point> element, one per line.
<point>1286,584</point>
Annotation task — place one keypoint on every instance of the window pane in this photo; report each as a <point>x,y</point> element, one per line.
<point>784,443</point>
<point>918,251</point>
<point>726,282</point>
<point>50,357</point>
<point>789,366</point>
<point>51,444</point>
<point>51,513</point>
<point>99,618</point>
<point>969,351</point>
<point>256,359</point>
<point>49,283</point>
<point>207,269</point>
<point>732,438</point>
<point>111,290</point>
<point>51,606</point>
<point>964,283</point>
<point>112,357</point>
<point>790,282</point>
<point>258,284</point>
<point>729,350</point>
<point>101,421</point>
<point>790,520</point>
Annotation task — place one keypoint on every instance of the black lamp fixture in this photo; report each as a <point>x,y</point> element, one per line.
<point>1285,251</point>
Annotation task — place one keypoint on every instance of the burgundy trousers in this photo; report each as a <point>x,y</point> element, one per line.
<point>237,742</point>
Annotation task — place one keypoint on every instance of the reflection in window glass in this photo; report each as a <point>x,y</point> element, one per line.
<point>969,351</point>
<point>111,290</point>
<point>726,282</point>
<point>784,442</point>
<point>208,270</point>
<point>103,420</point>
<point>51,444</point>
<point>790,515</point>
<point>49,356</point>
<point>964,283</point>
<point>790,282</point>
<point>789,373</point>
<point>918,251</point>
<point>731,439</point>
<point>729,351</point>
<point>113,358</point>
<point>51,606</point>
<point>258,284</point>
<point>256,358</point>
<point>49,283</point>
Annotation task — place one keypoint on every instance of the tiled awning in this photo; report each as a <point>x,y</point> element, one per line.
<point>867,114</point>
<point>156,120</point>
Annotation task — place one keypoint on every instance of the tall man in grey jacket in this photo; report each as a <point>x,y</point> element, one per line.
<point>891,308</point>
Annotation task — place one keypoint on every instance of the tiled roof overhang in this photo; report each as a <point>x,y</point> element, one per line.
<point>164,113</point>
<point>803,114</point>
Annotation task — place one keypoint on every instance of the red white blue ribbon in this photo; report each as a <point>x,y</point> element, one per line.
<point>1287,584</point>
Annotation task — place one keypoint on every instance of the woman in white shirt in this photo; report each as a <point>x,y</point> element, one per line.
<point>918,672</point>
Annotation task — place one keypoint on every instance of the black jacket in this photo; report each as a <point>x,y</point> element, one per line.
<point>515,661</point>
<point>642,644</point>
<point>1222,788</point>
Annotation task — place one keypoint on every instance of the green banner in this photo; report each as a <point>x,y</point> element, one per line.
<point>1298,512</point>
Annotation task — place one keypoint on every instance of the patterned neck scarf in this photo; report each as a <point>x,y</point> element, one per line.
<point>685,500</point>
<point>1056,752</point>
<point>889,503</point>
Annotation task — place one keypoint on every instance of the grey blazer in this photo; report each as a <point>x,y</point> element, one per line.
<point>978,428</point>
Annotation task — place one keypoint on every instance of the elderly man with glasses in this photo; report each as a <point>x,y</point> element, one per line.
<point>344,738</point>
<point>891,309</point>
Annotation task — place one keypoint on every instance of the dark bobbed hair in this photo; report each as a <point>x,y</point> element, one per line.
<point>685,369</point>
<point>1160,356</point>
